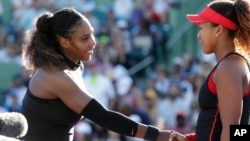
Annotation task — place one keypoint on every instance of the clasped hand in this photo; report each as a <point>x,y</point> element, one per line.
<point>169,135</point>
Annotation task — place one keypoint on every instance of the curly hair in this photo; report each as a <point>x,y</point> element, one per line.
<point>41,47</point>
<point>237,11</point>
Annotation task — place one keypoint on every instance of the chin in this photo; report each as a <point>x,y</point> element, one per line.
<point>204,52</point>
<point>207,52</point>
<point>86,58</point>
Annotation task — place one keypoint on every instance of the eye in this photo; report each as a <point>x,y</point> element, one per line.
<point>85,38</point>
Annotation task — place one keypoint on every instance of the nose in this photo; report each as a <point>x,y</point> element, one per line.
<point>198,35</point>
<point>93,43</point>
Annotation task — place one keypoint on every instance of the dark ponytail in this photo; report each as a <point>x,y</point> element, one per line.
<point>44,23</point>
<point>241,8</point>
<point>41,47</point>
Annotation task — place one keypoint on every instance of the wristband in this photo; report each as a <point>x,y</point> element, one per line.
<point>152,133</point>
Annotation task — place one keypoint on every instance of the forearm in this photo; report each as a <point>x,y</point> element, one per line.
<point>121,124</point>
<point>110,119</point>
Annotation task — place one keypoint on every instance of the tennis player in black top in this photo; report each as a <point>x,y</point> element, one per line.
<point>224,98</point>
<point>57,97</point>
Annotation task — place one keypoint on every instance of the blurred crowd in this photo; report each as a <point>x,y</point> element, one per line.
<point>127,31</point>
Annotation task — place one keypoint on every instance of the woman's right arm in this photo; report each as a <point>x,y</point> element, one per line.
<point>121,124</point>
<point>82,103</point>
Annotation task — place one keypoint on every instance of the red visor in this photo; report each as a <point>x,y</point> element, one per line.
<point>209,15</point>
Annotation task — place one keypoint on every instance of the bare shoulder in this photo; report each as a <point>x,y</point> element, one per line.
<point>64,85</point>
<point>233,62</point>
<point>234,67</point>
<point>44,82</point>
<point>49,76</point>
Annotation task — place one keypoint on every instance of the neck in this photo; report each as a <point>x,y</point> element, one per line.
<point>71,64</point>
<point>223,48</point>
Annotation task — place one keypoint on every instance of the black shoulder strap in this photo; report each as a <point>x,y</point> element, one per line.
<point>231,53</point>
<point>248,64</point>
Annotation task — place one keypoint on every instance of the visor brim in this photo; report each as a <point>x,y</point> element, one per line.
<point>194,18</point>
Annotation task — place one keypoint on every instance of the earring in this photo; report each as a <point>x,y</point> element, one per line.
<point>216,35</point>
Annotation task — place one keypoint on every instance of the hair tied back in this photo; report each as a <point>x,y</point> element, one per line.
<point>44,23</point>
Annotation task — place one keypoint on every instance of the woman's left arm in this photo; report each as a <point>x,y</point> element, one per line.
<point>229,83</point>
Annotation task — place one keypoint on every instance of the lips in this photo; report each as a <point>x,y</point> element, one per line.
<point>90,51</point>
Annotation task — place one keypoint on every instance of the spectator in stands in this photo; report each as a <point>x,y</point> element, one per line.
<point>162,81</point>
<point>35,9</point>
<point>182,125</point>
<point>123,9</point>
<point>126,89</point>
<point>136,114</point>
<point>174,102</point>
<point>13,105</point>
<point>151,99</point>
<point>15,94</point>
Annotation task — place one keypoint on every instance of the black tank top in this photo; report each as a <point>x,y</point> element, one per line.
<point>209,126</point>
<point>48,120</point>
